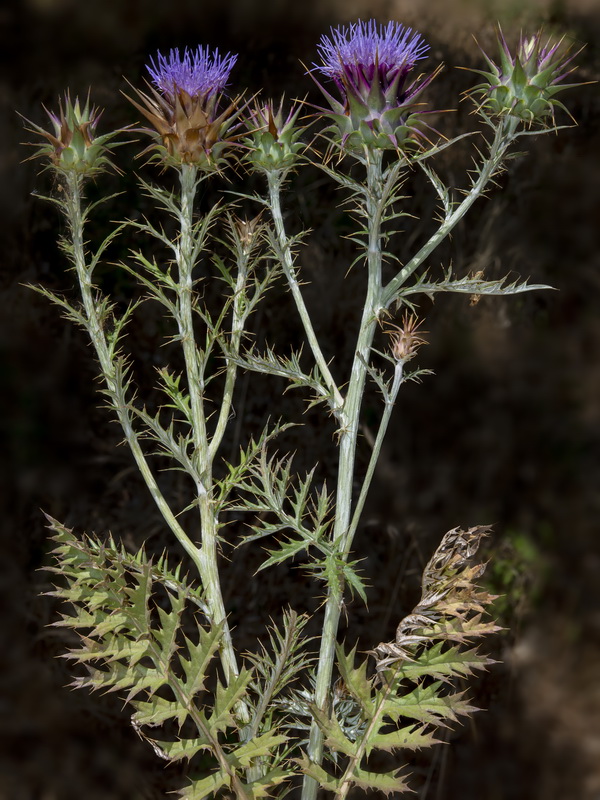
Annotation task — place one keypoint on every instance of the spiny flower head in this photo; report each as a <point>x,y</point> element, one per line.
<point>370,65</point>
<point>72,145</point>
<point>524,85</point>
<point>183,106</point>
<point>274,137</point>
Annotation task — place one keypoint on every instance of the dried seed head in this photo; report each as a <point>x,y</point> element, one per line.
<point>247,231</point>
<point>406,338</point>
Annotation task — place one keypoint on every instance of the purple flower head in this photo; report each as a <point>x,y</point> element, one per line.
<point>199,73</point>
<point>183,106</point>
<point>369,64</point>
<point>359,53</point>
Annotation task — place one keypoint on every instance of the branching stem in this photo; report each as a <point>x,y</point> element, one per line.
<point>275,182</point>
<point>114,384</point>
<point>195,364</point>
<point>504,135</point>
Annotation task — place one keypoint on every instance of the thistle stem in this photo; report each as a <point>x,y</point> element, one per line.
<point>275,180</point>
<point>382,430</point>
<point>113,380</point>
<point>343,532</point>
<point>238,322</point>
<point>195,365</point>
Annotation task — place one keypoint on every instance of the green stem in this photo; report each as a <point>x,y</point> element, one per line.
<point>503,137</point>
<point>195,365</point>
<point>348,440</point>
<point>383,426</point>
<point>114,385</point>
<point>237,329</point>
<point>275,182</point>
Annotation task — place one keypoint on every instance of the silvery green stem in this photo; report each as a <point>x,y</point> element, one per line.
<point>348,435</point>
<point>504,135</point>
<point>275,181</point>
<point>195,365</point>
<point>114,386</point>
<point>237,328</point>
<point>382,430</point>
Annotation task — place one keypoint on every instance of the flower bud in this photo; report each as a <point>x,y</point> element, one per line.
<point>274,141</point>
<point>524,86</point>
<point>73,146</point>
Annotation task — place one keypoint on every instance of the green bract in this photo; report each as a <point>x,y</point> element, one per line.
<point>273,141</point>
<point>524,86</point>
<point>73,145</point>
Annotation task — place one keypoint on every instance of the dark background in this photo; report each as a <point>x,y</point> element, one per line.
<point>507,431</point>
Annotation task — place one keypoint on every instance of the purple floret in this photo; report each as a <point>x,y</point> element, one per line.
<point>362,45</point>
<point>200,73</point>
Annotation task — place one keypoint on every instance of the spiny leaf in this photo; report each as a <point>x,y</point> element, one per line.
<point>386,782</point>
<point>226,697</point>
<point>355,679</point>
<point>242,757</point>
<point>411,737</point>
<point>206,787</point>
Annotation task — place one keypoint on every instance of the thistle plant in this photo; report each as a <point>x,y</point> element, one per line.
<point>295,714</point>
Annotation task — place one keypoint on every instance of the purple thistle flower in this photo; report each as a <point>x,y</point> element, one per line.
<point>360,51</point>
<point>183,107</point>
<point>369,64</point>
<point>199,73</point>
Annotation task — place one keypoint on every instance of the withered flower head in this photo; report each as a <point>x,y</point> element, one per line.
<point>406,338</point>
<point>183,106</point>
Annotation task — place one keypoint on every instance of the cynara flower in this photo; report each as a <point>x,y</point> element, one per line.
<point>183,106</point>
<point>524,86</point>
<point>370,65</point>
<point>198,73</point>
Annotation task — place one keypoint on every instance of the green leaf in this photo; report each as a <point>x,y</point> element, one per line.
<point>264,745</point>
<point>157,711</point>
<point>386,782</point>
<point>335,738</point>
<point>184,748</point>
<point>200,655</point>
<point>226,697</point>
<point>438,663</point>
<point>323,778</point>
<point>410,737</point>
<point>355,680</point>
<point>206,787</point>
<point>274,777</point>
